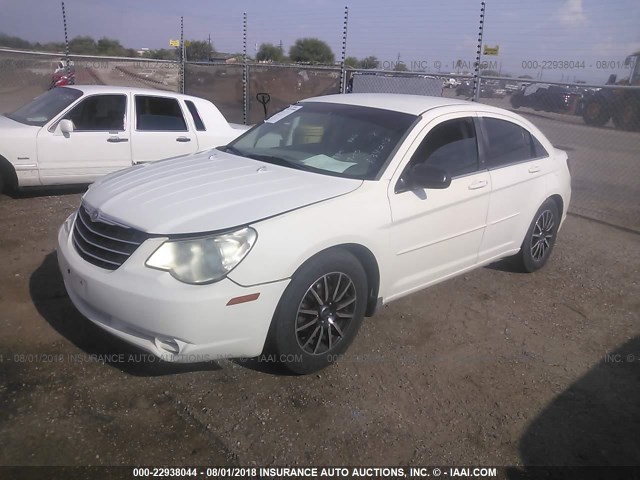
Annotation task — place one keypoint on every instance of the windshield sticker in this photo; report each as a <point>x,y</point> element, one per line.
<point>324,162</point>
<point>284,113</point>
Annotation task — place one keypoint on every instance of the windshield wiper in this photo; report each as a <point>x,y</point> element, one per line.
<point>263,158</point>
<point>230,149</point>
<point>276,161</point>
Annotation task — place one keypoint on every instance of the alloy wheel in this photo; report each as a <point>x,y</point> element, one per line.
<point>542,235</point>
<point>325,312</point>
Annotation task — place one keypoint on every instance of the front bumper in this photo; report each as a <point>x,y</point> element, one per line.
<point>152,310</point>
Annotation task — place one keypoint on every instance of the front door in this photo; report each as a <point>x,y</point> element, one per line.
<point>437,232</point>
<point>99,143</point>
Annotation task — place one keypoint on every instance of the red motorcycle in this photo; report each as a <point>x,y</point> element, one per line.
<point>63,76</point>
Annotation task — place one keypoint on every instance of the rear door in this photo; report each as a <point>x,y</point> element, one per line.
<point>517,163</point>
<point>99,143</point>
<point>161,129</point>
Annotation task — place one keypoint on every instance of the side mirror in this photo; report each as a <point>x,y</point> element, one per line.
<point>424,175</point>
<point>66,127</point>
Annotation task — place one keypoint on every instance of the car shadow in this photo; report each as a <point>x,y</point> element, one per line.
<point>49,191</point>
<point>508,265</point>
<point>265,363</point>
<point>594,423</point>
<point>50,298</point>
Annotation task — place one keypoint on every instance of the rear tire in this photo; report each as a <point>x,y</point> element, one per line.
<point>538,243</point>
<point>627,116</point>
<point>595,112</point>
<point>320,312</point>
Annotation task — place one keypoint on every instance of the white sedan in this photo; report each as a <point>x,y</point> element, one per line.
<point>282,241</point>
<point>78,134</point>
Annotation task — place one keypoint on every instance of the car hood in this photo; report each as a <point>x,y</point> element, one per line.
<point>210,191</point>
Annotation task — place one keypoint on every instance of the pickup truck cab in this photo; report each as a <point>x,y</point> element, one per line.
<point>75,135</point>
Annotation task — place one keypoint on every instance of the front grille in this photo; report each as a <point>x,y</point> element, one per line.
<point>104,244</point>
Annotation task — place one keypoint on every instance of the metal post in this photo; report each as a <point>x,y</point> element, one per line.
<point>66,41</point>
<point>476,71</point>
<point>181,54</point>
<point>244,69</point>
<point>344,51</point>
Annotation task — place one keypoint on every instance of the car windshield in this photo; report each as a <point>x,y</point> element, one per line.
<point>328,138</point>
<point>43,108</point>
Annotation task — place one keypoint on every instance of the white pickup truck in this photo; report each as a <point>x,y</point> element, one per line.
<point>78,134</point>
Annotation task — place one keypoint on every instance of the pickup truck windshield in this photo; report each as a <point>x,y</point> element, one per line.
<point>43,108</point>
<point>329,138</point>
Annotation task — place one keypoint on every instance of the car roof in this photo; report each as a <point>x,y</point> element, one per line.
<point>411,104</point>
<point>93,89</point>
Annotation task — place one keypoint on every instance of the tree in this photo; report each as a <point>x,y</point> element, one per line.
<point>400,67</point>
<point>198,50</point>
<point>311,50</point>
<point>14,42</point>
<point>83,46</point>
<point>268,52</point>
<point>527,77</point>
<point>352,62</point>
<point>162,54</point>
<point>110,46</point>
<point>369,62</point>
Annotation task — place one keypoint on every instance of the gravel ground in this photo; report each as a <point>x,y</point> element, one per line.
<point>495,368</point>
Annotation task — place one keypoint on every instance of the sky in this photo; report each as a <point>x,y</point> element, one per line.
<point>572,39</point>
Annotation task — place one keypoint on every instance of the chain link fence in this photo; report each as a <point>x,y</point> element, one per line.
<point>25,75</point>
<point>538,70</point>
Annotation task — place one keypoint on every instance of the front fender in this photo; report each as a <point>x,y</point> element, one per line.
<point>287,241</point>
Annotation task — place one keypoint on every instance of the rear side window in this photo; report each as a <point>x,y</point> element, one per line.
<point>509,143</point>
<point>99,113</point>
<point>159,114</point>
<point>451,146</point>
<point>196,116</point>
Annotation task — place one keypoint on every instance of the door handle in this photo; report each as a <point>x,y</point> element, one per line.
<point>479,184</point>
<point>534,169</point>
<point>183,139</point>
<point>117,139</point>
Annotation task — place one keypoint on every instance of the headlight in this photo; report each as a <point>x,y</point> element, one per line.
<point>205,259</point>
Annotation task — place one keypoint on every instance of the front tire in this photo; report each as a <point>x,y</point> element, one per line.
<point>320,312</point>
<point>540,238</point>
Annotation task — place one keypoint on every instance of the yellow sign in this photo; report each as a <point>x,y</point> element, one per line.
<point>174,43</point>
<point>491,50</point>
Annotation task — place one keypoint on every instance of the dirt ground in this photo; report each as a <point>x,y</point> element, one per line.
<point>493,368</point>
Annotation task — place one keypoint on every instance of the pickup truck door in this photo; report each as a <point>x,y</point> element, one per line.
<point>161,129</point>
<point>99,143</point>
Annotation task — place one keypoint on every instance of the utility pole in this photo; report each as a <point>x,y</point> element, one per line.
<point>476,72</point>
<point>66,41</point>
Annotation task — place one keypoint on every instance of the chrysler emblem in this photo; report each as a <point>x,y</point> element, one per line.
<point>94,215</point>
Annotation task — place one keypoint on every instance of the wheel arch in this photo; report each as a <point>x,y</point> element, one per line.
<point>8,174</point>
<point>557,199</point>
<point>370,264</point>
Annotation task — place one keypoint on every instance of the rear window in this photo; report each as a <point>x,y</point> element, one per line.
<point>509,143</point>
<point>159,114</point>
<point>196,116</point>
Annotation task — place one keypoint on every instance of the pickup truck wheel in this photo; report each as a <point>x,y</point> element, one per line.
<point>595,112</point>
<point>320,312</point>
<point>627,117</point>
<point>540,238</point>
